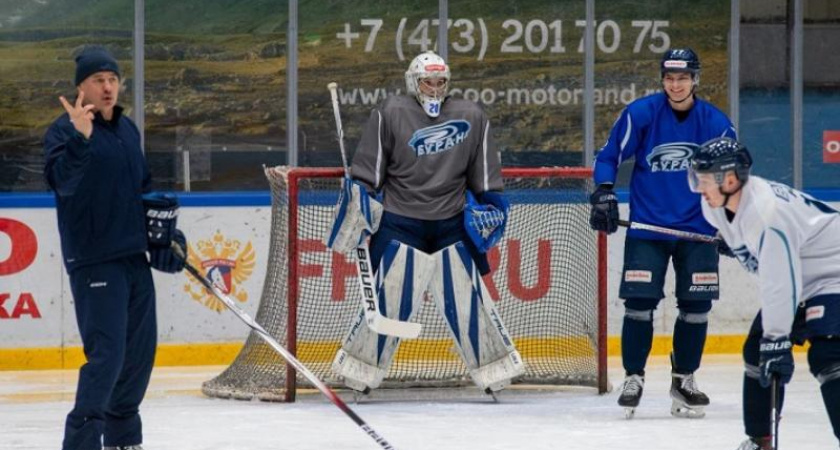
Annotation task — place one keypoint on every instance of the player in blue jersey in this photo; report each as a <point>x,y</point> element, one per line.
<point>661,132</point>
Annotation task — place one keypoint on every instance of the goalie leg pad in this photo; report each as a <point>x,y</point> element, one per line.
<point>480,336</point>
<point>365,356</point>
<point>355,216</point>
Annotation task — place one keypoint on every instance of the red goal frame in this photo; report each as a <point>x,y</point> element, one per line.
<point>296,174</point>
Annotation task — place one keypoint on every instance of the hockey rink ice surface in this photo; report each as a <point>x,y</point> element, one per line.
<point>177,416</point>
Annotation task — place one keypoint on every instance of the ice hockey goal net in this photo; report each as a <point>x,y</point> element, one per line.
<point>547,280</point>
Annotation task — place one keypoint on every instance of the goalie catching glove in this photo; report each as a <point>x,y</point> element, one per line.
<point>356,215</point>
<point>485,219</point>
<point>161,218</point>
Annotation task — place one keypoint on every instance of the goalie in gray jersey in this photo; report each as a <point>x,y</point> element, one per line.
<point>791,241</point>
<point>433,160</point>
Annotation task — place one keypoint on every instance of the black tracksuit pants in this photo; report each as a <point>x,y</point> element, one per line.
<point>115,312</point>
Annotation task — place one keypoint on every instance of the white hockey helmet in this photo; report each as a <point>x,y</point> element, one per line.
<point>427,78</point>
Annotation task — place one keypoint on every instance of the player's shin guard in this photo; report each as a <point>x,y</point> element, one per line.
<point>690,331</point>
<point>831,397</point>
<point>823,358</point>
<point>636,339</point>
<point>757,406</point>
<point>474,323</point>
<point>688,401</point>
<point>365,356</point>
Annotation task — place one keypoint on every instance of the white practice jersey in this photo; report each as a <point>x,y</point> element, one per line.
<point>790,240</point>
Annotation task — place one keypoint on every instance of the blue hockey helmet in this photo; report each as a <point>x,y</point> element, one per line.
<point>718,156</point>
<point>680,60</point>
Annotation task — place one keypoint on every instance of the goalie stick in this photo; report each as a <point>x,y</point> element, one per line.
<point>775,395</point>
<point>329,393</point>
<point>697,237</point>
<point>370,299</point>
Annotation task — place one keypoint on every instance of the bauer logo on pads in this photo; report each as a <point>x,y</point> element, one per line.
<point>227,263</point>
<point>638,276</point>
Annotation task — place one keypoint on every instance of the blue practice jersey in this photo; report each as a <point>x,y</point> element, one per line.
<point>648,130</point>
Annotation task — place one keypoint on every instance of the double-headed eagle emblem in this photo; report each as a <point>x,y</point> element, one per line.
<point>224,265</point>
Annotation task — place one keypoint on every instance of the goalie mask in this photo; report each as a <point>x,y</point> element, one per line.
<point>427,78</point>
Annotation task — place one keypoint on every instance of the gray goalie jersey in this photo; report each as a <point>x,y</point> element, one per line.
<point>424,165</point>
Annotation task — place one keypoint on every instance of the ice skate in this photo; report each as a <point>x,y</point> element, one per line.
<point>631,394</point>
<point>359,396</point>
<point>756,444</point>
<point>128,447</point>
<point>360,390</point>
<point>688,401</point>
<point>492,394</point>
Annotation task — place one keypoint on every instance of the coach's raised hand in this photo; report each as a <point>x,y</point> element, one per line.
<point>81,115</point>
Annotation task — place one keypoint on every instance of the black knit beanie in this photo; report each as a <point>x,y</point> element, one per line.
<point>92,60</point>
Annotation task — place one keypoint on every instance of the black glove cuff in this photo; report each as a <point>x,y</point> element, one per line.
<point>604,194</point>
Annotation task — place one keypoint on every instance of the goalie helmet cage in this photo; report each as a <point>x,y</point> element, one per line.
<point>548,281</point>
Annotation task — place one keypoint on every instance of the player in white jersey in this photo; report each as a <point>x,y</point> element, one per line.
<point>433,160</point>
<point>791,241</point>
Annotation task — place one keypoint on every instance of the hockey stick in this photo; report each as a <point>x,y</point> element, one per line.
<point>329,393</point>
<point>697,237</point>
<point>370,299</point>
<point>774,415</point>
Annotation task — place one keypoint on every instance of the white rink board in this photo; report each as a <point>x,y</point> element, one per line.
<point>185,320</point>
<point>181,319</point>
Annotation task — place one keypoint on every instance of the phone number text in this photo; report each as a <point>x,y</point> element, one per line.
<point>535,36</point>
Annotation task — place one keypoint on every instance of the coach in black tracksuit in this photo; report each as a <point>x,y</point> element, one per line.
<point>96,168</point>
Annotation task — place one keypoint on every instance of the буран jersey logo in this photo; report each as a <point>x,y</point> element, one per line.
<point>671,157</point>
<point>439,138</point>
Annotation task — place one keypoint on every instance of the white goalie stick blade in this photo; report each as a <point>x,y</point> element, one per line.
<point>697,237</point>
<point>370,302</point>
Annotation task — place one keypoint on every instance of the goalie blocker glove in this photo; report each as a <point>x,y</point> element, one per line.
<point>161,218</point>
<point>604,214</point>
<point>485,219</point>
<point>776,359</point>
<point>165,259</point>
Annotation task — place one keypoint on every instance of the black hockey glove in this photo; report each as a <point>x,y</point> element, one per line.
<point>161,218</point>
<point>604,215</point>
<point>723,248</point>
<point>166,259</point>
<point>776,359</point>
